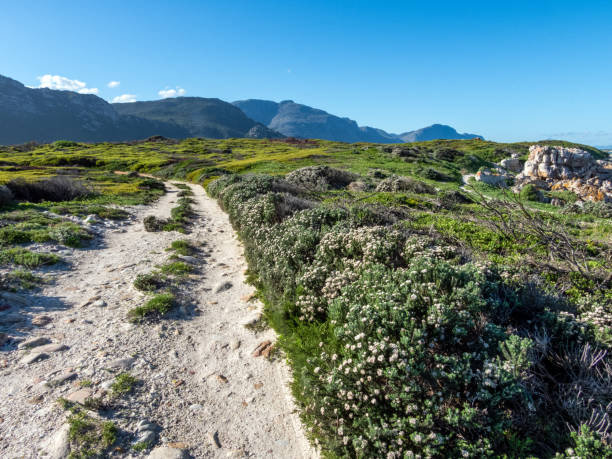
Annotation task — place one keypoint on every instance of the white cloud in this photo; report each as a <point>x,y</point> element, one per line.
<point>124,98</point>
<point>166,93</point>
<point>60,82</point>
<point>113,84</point>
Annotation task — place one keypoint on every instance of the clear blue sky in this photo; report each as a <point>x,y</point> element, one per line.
<point>512,70</point>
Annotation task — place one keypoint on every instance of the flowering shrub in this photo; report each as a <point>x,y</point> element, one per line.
<point>401,348</point>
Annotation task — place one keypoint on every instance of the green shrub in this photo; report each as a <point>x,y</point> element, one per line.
<point>529,193</point>
<point>399,345</point>
<point>157,306</point>
<point>148,282</point>
<point>124,384</point>
<point>151,184</point>
<point>59,188</point>
<point>153,224</point>
<point>177,268</point>
<point>181,247</point>
<point>26,258</point>
<point>6,196</point>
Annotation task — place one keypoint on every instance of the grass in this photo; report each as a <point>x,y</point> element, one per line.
<point>89,436</point>
<point>148,282</point>
<point>157,306</point>
<point>177,268</point>
<point>21,280</point>
<point>124,384</point>
<point>27,258</point>
<point>181,247</point>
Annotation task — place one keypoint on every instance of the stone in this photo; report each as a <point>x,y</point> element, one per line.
<point>91,220</point>
<point>62,379</point>
<point>493,178</point>
<point>511,164</point>
<point>99,303</point>
<point>34,357</point>
<point>188,259</point>
<point>58,445</point>
<point>235,344</point>
<point>122,364</point>
<point>213,437</point>
<point>144,425</point>
<point>36,399</point>
<point>222,379</point>
<point>263,348</point>
<point>223,286</point>
<point>55,347</point>
<point>166,452</point>
<point>41,321</point>
<point>80,396</point>
<point>146,436</point>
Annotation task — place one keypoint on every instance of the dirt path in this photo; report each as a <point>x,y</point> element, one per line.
<point>201,388</point>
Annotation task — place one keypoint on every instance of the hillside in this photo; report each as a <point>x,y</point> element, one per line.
<point>45,115</point>
<point>200,117</point>
<point>298,120</point>
<point>435,131</point>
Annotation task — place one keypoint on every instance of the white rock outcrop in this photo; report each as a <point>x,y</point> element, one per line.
<point>560,168</point>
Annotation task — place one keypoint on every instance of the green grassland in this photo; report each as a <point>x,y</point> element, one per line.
<point>479,306</point>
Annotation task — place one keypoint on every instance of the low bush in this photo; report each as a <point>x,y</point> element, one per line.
<point>153,224</point>
<point>320,178</point>
<point>151,184</point>
<point>396,183</point>
<point>148,282</point>
<point>26,258</point>
<point>6,196</point>
<point>400,346</point>
<point>157,306</point>
<point>181,247</point>
<point>56,189</point>
<point>529,193</point>
<point>124,384</point>
<point>177,268</point>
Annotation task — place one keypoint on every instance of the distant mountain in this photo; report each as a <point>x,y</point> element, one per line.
<point>46,115</point>
<point>435,131</point>
<point>297,120</point>
<point>200,117</point>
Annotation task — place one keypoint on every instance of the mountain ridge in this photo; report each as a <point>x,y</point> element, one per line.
<point>299,120</point>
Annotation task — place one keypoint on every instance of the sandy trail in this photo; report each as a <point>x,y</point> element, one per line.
<point>201,387</point>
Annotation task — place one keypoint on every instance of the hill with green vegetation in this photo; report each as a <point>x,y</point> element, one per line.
<point>46,115</point>
<point>420,316</point>
<point>200,117</point>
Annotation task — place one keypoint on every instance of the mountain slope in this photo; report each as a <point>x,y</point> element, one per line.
<point>435,131</point>
<point>46,115</point>
<point>297,120</point>
<point>199,116</point>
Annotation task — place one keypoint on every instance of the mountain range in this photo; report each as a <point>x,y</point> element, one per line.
<point>297,120</point>
<point>46,115</point>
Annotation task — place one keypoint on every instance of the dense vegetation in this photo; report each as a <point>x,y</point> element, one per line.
<point>420,319</point>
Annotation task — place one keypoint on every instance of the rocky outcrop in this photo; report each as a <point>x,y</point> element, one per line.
<point>497,177</point>
<point>560,168</point>
<point>512,164</point>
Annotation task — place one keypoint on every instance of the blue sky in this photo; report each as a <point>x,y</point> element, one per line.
<point>506,70</point>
